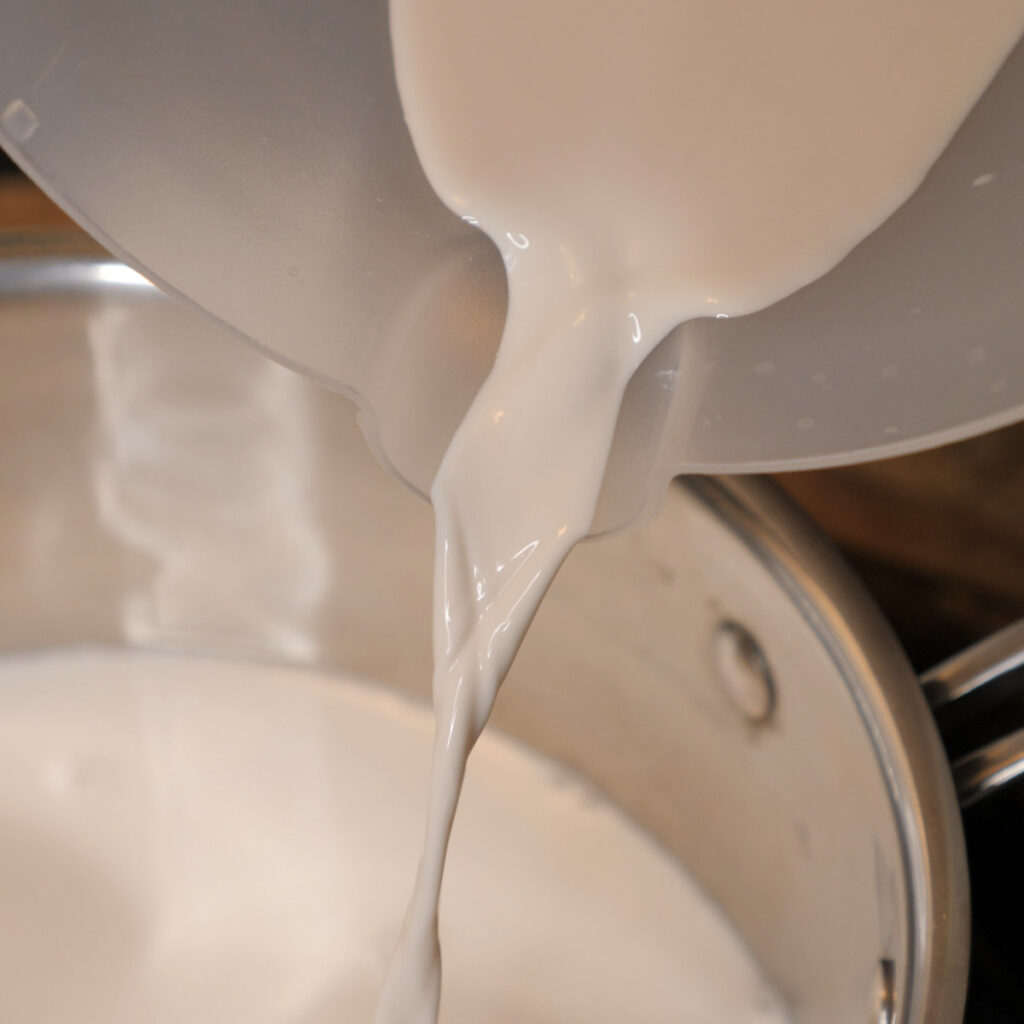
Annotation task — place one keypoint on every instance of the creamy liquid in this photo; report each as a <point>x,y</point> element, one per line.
<point>638,165</point>
<point>195,840</point>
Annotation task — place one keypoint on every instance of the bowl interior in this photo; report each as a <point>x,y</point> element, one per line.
<point>716,672</point>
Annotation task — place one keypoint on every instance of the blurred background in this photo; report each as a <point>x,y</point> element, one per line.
<point>938,540</point>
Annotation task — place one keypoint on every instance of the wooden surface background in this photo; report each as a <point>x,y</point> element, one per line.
<point>938,537</point>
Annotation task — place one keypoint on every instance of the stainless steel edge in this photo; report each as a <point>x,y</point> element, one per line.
<point>44,262</point>
<point>978,665</point>
<point>883,684</point>
<point>989,769</point>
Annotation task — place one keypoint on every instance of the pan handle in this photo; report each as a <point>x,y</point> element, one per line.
<point>990,768</point>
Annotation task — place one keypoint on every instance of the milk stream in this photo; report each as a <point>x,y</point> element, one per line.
<point>638,165</point>
<point>188,839</point>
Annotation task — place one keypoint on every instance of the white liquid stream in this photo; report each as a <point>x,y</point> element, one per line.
<point>190,840</point>
<point>638,165</point>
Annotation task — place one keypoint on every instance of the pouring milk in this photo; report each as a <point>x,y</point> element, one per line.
<point>638,165</point>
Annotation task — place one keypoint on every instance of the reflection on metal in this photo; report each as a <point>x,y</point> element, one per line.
<point>973,668</point>
<point>203,465</point>
<point>68,276</point>
<point>1000,762</point>
<point>886,992</point>
<point>931,871</point>
<point>989,769</point>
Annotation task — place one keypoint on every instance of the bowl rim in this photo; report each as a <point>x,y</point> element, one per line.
<point>893,708</point>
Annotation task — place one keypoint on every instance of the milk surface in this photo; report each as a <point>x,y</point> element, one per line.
<point>195,840</point>
<point>638,165</point>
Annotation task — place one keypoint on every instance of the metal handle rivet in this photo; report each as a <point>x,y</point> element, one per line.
<point>743,672</point>
<point>886,993</point>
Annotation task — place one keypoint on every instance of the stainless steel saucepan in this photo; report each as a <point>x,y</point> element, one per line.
<point>718,673</point>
